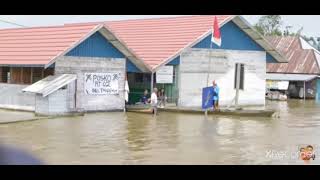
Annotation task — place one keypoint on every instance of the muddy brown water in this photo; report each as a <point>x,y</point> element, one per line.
<point>171,138</point>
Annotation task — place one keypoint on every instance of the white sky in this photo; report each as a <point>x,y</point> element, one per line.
<point>310,24</point>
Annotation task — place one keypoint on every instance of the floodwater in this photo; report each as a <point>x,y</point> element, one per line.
<point>171,138</point>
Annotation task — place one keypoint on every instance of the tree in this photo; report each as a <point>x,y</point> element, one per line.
<point>269,25</point>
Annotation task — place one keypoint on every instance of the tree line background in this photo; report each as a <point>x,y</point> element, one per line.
<point>272,25</point>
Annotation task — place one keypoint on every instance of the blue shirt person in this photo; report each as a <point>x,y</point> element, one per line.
<point>144,98</point>
<point>215,92</point>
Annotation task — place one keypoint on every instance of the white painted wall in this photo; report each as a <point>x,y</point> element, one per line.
<point>82,65</point>
<point>11,96</point>
<point>194,66</point>
<point>58,103</point>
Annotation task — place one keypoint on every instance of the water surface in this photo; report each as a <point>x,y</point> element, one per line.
<point>171,138</point>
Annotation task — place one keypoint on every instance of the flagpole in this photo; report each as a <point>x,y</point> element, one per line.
<point>214,33</point>
<point>209,68</point>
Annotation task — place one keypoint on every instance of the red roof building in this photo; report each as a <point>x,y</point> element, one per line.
<point>151,41</point>
<point>147,44</point>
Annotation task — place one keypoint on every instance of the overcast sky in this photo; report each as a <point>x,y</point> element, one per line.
<point>310,24</point>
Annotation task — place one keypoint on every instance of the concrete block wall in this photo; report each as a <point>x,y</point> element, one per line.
<point>59,102</point>
<point>42,105</point>
<point>71,96</point>
<point>82,65</point>
<point>12,95</point>
<point>194,67</point>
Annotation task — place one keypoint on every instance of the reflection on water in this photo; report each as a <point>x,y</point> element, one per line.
<point>170,138</point>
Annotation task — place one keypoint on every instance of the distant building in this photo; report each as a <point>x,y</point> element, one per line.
<point>301,72</point>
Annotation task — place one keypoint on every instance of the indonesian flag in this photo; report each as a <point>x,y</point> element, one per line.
<point>216,37</point>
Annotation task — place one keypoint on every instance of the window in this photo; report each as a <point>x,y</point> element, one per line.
<point>241,76</point>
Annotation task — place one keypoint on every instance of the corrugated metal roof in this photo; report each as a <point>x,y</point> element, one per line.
<point>50,84</point>
<point>306,45</point>
<point>290,77</point>
<point>301,61</point>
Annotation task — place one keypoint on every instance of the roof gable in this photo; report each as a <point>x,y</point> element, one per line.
<point>233,38</point>
<point>98,46</point>
<point>156,40</point>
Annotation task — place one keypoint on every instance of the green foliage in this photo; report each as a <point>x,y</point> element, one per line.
<point>269,25</point>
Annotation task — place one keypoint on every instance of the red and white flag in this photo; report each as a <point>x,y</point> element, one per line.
<point>216,37</point>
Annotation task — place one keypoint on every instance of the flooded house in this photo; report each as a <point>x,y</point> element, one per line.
<point>83,66</point>
<point>178,51</point>
<point>299,78</point>
<point>61,69</point>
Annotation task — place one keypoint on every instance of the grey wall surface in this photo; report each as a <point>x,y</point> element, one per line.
<point>42,105</point>
<point>82,65</point>
<point>194,68</point>
<point>55,103</point>
<point>59,102</point>
<point>12,95</point>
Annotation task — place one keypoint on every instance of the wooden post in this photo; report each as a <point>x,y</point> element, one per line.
<point>209,68</point>
<point>75,94</point>
<point>151,82</point>
<point>42,73</point>
<point>304,90</point>
<point>21,75</point>
<point>10,80</point>
<point>31,78</point>
<point>1,74</point>
<point>237,85</point>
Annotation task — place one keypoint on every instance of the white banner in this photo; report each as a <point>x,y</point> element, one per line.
<point>164,75</point>
<point>281,85</point>
<point>101,83</point>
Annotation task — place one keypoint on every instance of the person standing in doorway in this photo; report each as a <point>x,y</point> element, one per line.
<point>215,89</point>
<point>154,101</point>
